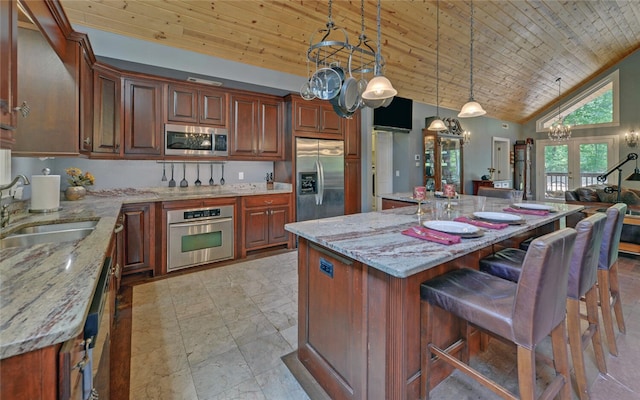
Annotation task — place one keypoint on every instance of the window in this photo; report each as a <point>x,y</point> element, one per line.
<point>597,106</point>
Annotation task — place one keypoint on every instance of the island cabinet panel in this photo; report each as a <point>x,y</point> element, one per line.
<point>388,204</point>
<point>31,375</point>
<point>263,221</point>
<point>332,338</point>
<point>142,117</point>
<point>138,238</point>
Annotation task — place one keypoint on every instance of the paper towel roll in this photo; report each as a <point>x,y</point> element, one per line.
<point>45,192</point>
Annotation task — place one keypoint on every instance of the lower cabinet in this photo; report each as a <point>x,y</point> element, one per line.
<point>139,237</point>
<point>263,220</point>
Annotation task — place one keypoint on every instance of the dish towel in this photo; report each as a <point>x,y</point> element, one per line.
<point>530,212</point>
<point>481,224</point>
<point>431,235</point>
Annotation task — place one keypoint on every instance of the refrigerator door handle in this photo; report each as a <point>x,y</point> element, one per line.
<point>321,179</point>
<point>319,183</point>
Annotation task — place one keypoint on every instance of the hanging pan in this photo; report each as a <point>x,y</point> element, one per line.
<point>326,83</point>
<point>349,94</point>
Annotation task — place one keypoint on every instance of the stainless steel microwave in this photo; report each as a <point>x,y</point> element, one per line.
<point>193,140</point>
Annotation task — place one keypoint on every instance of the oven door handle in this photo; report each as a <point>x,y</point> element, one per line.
<point>200,222</point>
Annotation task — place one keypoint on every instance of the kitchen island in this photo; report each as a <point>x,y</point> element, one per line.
<point>359,295</point>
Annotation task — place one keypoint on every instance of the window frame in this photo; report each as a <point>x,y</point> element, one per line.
<point>576,102</point>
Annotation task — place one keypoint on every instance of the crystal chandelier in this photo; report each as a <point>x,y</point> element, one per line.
<point>558,130</point>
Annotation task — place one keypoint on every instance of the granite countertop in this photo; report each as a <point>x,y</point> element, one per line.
<point>375,238</point>
<point>46,289</point>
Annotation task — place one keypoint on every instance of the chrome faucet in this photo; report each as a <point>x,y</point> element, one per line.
<point>4,209</point>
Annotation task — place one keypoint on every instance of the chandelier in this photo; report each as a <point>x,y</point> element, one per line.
<point>558,130</point>
<point>472,108</point>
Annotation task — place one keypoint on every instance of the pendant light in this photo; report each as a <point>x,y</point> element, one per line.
<point>437,124</point>
<point>472,108</point>
<point>379,87</point>
<point>558,130</point>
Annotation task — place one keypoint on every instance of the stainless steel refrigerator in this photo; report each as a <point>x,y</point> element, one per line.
<point>319,178</point>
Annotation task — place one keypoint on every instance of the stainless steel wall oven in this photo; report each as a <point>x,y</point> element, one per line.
<point>199,236</point>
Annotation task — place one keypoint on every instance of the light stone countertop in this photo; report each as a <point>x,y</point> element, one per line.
<point>375,238</point>
<point>46,289</point>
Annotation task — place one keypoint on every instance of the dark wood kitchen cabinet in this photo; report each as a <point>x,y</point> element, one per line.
<point>8,71</point>
<point>257,127</point>
<point>263,220</point>
<point>352,165</point>
<point>139,237</point>
<point>87,59</point>
<point>316,118</point>
<point>142,117</point>
<point>194,105</point>
<point>107,103</point>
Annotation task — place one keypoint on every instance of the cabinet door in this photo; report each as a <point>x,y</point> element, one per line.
<point>271,129</point>
<point>306,116</point>
<point>352,176</point>
<point>8,71</point>
<point>330,122</point>
<point>256,227</point>
<point>106,122</point>
<point>278,217</point>
<point>142,117</point>
<point>138,237</point>
<point>213,108</point>
<point>86,102</point>
<point>352,136</point>
<point>244,125</point>
<point>182,104</point>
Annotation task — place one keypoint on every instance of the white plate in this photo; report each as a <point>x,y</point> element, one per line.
<point>496,216</point>
<point>451,227</point>
<point>532,206</point>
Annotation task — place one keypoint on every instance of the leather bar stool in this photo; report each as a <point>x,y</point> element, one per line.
<point>507,264</point>
<point>524,313</point>
<point>608,285</point>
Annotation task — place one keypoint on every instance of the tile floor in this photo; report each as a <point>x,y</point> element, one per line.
<point>221,333</point>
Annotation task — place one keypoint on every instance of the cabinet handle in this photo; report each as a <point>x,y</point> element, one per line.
<point>118,228</point>
<point>24,109</point>
<point>87,140</point>
<point>268,202</point>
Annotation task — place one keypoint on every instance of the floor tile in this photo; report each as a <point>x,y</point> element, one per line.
<point>220,373</point>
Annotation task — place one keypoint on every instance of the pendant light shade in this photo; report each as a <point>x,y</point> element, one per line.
<point>472,108</point>
<point>379,87</point>
<point>437,124</point>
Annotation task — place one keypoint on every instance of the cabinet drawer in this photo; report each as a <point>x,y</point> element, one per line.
<point>270,200</point>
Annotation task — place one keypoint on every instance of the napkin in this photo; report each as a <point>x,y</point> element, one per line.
<point>530,212</point>
<point>481,224</point>
<point>431,235</point>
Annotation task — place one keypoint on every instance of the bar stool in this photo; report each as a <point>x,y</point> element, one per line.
<point>507,264</point>
<point>524,313</point>
<point>608,285</point>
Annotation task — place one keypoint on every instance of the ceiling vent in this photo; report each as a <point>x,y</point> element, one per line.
<point>204,81</point>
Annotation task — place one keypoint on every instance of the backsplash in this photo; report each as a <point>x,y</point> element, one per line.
<point>116,174</point>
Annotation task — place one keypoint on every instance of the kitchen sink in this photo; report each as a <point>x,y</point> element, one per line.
<point>49,233</point>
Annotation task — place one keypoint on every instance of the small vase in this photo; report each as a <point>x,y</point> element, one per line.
<point>75,192</point>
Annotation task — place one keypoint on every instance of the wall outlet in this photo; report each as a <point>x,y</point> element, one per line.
<point>416,157</point>
<point>397,172</point>
<point>240,175</point>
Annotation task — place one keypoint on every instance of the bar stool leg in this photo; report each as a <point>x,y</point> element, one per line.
<point>527,373</point>
<point>575,343</point>
<point>596,339</point>
<point>561,358</point>
<point>426,336</point>
<point>605,307</point>
<point>617,300</point>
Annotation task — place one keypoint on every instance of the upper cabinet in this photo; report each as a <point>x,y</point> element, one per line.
<point>442,161</point>
<point>257,128</point>
<point>200,106</point>
<point>107,101</point>
<point>142,117</point>
<point>315,118</point>
<point>8,77</point>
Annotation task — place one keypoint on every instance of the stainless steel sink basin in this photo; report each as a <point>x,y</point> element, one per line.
<point>49,233</point>
<point>56,227</point>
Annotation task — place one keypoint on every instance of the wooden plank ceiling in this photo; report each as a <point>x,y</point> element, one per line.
<point>520,46</point>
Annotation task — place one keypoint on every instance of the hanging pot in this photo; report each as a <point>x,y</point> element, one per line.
<point>326,83</point>
<point>349,95</point>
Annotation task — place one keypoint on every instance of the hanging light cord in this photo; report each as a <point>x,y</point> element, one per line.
<point>559,80</point>
<point>471,55</point>
<point>377,67</point>
<point>438,59</point>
